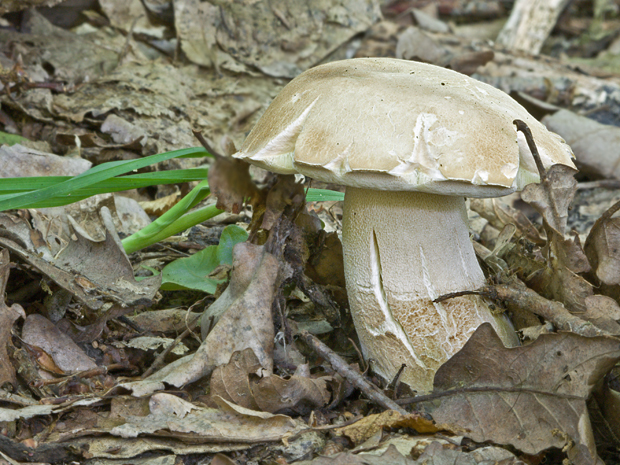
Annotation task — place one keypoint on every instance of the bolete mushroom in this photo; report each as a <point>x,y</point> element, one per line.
<point>410,141</point>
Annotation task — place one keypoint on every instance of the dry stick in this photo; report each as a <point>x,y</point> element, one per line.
<point>521,126</point>
<point>160,358</point>
<point>523,297</point>
<point>484,390</point>
<point>343,369</point>
<point>601,183</point>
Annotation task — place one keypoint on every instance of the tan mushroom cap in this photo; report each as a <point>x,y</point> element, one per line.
<point>382,123</point>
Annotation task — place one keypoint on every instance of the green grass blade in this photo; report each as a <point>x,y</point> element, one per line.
<point>130,181</point>
<point>323,195</point>
<point>145,236</point>
<point>94,175</point>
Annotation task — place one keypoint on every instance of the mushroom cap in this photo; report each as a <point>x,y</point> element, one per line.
<point>383,123</point>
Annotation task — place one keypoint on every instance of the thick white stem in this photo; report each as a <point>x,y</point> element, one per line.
<point>401,251</point>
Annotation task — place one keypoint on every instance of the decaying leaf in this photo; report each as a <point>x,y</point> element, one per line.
<point>559,279</point>
<point>499,214</point>
<point>230,181</point>
<point>241,382</point>
<point>8,315</point>
<point>93,272</point>
<point>368,426</point>
<point>67,355</point>
<point>280,39</point>
<point>246,322</point>
<point>553,196</point>
<point>603,247</point>
<point>19,161</point>
<point>228,423</point>
<point>531,397</point>
<point>603,312</point>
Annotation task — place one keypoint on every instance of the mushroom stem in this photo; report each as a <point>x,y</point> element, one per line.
<point>401,251</point>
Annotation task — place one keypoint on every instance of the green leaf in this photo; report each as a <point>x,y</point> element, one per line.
<point>10,139</point>
<point>154,232</point>
<point>9,187</point>
<point>192,272</point>
<point>94,175</point>
<point>323,195</point>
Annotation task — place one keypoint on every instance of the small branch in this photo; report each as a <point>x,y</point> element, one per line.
<point>484,389</point>
<point>519,295</point>
<point>198,135</point>
<point>521,126</point>
<point>343,369</point>
<point>555,312</point>
<point>452,295</point>
<point>159,361</point>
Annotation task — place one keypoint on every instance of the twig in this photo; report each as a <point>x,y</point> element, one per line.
<point>160,358</point>
<point>601,183</point>
<point>519,295</point>
<point>198,135</point>
<point>475,389</point>
<point>343,369</point>
<point>359,355</point>
<point>521,126</point>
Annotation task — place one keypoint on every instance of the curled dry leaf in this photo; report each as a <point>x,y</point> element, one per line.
<point>368,426</point>
<point>93,272</point>
<point>240,381</point>
<point>559,279</point>
<point>8,316</point>
<point>286,192</point>
<point>552,197</point>
<point>228,423</point>
<point>230,181</point>
<point>499,214</point>
<point>603,247</point>
<point>531,397</point>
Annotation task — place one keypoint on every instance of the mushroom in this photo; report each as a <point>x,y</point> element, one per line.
<point>409,141</point>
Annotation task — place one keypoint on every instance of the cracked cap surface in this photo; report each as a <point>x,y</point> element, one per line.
<point>383,123</point>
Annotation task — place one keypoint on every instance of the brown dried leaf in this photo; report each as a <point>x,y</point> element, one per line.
<point>230,181</point>
<point>8,316</point>
<point>297,394</point>
<point>531,397</point>
<point>368,426</point>
<point>499,214</point>
<point>286,192</point>
<point>93,272</point>
<point>240,382</point>
<point>559,280</point>
<point>232,381</point>
<point>390,457</point>
<point>603,249</point>
<point>553,196</point>
<point>247,323</point>
<point>67,356</point>
<point>180,419</point>
<point>603,312</point>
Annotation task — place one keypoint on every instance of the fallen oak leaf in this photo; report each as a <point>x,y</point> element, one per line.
<point>531,397</point>
<point>241,381</point>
